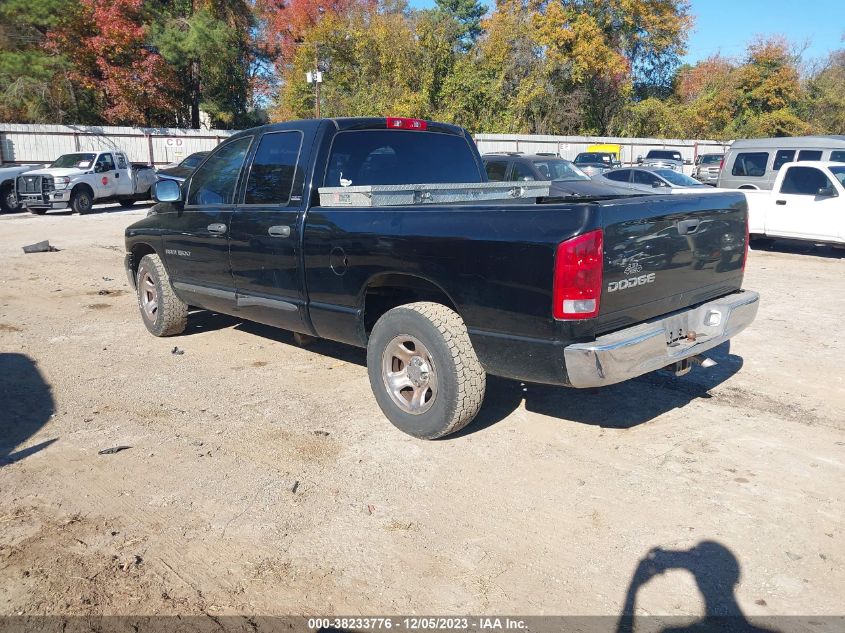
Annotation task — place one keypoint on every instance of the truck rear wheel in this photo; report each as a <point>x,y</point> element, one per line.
<point>423,370</point>
<point>8,202</point>
<point>81,201</point>
<point>163,312</point>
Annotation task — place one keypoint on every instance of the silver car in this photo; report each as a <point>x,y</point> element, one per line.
<point>707,168</point>
<point>656,180</point>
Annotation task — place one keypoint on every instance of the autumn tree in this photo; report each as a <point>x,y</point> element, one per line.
<point>105,42</point>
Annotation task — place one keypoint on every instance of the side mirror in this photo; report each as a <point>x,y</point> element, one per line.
<point>639,160</point>
<point>657,184</point>
<point>99,168</point>
<point>167,191</point>
<point>827,192</point>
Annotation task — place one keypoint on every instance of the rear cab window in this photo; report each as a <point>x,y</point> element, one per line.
<point>397,157</point>
<point>837,156</point>
<point>752,164</point>
<point>275,176</point>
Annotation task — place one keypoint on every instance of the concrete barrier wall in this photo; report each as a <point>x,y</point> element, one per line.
<point>153,146</point>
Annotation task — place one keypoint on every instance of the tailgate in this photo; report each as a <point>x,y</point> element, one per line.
<point>665,253</point>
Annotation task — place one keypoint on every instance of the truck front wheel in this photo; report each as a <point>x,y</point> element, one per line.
<point>423,370</point>
<point>8,202</point>
<point>81,201</point>
<point>163,312</point>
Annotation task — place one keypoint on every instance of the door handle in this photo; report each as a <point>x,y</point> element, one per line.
<point>685,227</point>
<point>281,230</point>
<point>780,202</point>
<point>117,174</point>
<point>218,228</point>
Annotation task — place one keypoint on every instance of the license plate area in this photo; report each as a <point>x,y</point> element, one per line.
<point>676,329</point>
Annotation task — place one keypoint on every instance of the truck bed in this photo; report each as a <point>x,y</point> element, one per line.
<point>500,278</point>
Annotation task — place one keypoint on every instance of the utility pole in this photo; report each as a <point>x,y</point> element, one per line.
<point>316,77</point>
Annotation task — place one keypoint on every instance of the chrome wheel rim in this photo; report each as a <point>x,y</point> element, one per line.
<point>409,374</point>
<point>149,296</point>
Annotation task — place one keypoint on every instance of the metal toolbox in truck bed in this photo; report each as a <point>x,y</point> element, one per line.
<point>447,193</point>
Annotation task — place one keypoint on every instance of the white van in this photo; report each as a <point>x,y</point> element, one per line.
<point>754,163</point>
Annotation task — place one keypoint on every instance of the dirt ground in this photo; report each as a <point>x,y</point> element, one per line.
<point>263,479</point>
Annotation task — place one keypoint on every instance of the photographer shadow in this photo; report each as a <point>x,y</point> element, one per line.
<point>716,572</point>
<point>27,406</point>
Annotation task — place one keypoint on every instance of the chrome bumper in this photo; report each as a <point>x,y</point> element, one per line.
<point>643,348</point>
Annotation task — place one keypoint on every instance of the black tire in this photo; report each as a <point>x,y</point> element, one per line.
<point>81,201</point>
<point>126,202</point>
<point>38,210</point>
<point>8,202</point>
<point>163,313</point>
<point>760,241</point>
<point>445,368</point>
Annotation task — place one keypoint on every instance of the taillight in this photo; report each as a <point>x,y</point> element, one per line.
<point>721,163</point>
<point>578,277</point>
<point>401,123</point>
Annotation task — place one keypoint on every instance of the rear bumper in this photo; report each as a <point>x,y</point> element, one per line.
<point>645,347</point>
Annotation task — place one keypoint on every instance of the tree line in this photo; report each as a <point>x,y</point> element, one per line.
<point>603,67</point>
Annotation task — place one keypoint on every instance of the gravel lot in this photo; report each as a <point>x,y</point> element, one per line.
<point>263,479</point>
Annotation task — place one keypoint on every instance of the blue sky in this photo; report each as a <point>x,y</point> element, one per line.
<point>725,26</point>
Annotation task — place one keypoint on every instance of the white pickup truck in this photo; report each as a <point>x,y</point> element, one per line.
<point>807,202</point>
<point>79,180</point>
<point>8,201</point>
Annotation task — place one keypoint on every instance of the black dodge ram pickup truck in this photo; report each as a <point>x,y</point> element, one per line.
<point>547,290</point>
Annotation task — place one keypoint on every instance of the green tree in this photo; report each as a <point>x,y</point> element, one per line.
<point>209,45</point>
<point>468,14</point>
<point>825,103</point>
<point>34,86</point>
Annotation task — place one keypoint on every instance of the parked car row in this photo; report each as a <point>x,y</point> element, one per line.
<point>78,181</point>
<point>807,202</point>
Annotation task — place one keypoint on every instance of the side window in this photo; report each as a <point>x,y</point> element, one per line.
<point>837,156</point>
<point>522,171</point>
<point>783,156</point>
<point>645,178</point>
<point>810,154</point>
<point>121,161</point>
<point>105,162</point>
<point>215,181</point>
<point>623,175</point>
<point>274,169</point>
<point>804,181</point>
<point>496,170</point>
<point>751,164</point>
